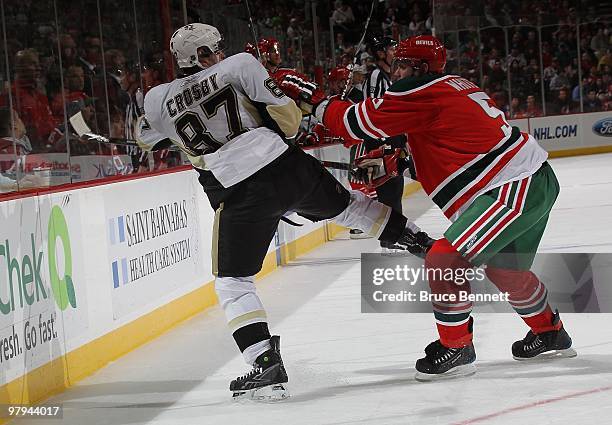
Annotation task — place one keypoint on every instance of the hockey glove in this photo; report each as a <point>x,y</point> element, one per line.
<point>377,166</point>
<point>397,142</point>
<point>305,93</point>
<point>407,164</point>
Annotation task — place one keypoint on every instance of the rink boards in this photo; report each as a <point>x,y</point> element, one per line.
<point>88,274</point>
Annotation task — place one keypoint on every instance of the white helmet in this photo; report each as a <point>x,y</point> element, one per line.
<point>186,41</point>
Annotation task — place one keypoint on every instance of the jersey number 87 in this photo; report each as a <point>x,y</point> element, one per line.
<point>192,131</point>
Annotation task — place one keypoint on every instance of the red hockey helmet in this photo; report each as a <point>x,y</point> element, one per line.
<point>338,73</point>
<point>422,48</point>
<point>267,44</point>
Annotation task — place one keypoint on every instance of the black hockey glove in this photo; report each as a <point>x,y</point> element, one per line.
<point>395,142</point>
<point>407,164</point>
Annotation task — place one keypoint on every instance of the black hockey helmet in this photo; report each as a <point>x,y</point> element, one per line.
<point>380,44</point>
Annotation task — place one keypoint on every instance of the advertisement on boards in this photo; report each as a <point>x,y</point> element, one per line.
<point>153,237</point>
<point>43,296</point>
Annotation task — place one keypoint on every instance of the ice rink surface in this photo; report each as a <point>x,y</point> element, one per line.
<point>351,368</point>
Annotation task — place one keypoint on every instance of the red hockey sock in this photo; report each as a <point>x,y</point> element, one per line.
<point>528,296</point>
<point>453,319</point>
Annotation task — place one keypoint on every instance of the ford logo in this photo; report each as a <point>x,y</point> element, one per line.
<point>603,127</point>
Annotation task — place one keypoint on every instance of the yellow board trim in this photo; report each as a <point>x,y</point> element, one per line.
<point>63,372</point>
<point>59,374</point>
<point>411,188</point>
<point>580,151</point>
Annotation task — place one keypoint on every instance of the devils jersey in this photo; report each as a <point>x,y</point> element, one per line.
<point>460,142</point>
<point>223,118</point>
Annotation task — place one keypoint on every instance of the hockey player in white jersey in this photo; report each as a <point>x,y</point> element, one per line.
<point>231,119</point>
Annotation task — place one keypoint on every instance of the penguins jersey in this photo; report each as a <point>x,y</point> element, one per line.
<point>229,119</point>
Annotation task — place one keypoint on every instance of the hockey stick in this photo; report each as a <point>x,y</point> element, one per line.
<point>84,131</point>
<point>252,26</point>
<point>336,165</point>
<point>349,80</point>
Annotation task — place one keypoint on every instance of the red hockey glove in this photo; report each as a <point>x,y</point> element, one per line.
<point>324,135</point>
<point>308,139</point>
<point>305,93</point>
<point>377,166</point>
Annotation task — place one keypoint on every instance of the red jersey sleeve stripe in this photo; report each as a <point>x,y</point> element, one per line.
<point>365,105</point>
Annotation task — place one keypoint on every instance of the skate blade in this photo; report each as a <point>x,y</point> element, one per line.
<point>549,355</point>
<point>394,252</point>
<point>457,372</point>
<point>360,236</point>
<point>271,393</point>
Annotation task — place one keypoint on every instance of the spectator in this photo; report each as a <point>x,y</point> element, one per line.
<point>518,80</point>
<point>532,110</point>
<point>29,102</point>
<point>605,60</point>
<point>13,141</point>
<point>388,23</point>
<point>563,104</point>
<point>515,55</point>
<point>599,42</point>
<point>416,25</point>
<point>497,76</point>
<point>563,55</point>
<point>517,111</point>
<point>343,18</point>
<point>559,81</point>
<point>74,84</point>
<point>591,102</point>
<point>293,30</point>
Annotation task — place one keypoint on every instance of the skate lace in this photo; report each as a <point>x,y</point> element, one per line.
<point>253,372</point>
<point>533,344</point>
<point>446,356</point>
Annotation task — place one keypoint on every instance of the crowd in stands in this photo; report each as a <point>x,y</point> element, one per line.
<point>524,54</point>
<point>541,66</point>
<point>58,69</point>
<point>521,83</point>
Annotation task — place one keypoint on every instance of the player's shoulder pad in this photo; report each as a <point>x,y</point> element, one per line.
<point>241,59</point>
<point>153,101</point>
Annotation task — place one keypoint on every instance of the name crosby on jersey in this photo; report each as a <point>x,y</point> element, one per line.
<point>195,92</point>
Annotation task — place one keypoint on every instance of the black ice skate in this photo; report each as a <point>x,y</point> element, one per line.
<point>391,249</point>
<point>265,382</point>
<point>547,345</point>
<point>441,362</point>
<point>359,234</point>
<point>416,243</point>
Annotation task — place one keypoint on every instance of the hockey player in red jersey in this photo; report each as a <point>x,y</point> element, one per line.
<point>269,48</point>
<point>490,180</point>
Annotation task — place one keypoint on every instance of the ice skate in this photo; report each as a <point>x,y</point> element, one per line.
<point>441,362</point>
<point>547,345</point>
<point>266,381</point>
<point>358,234</point>
<point>392,250</point>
